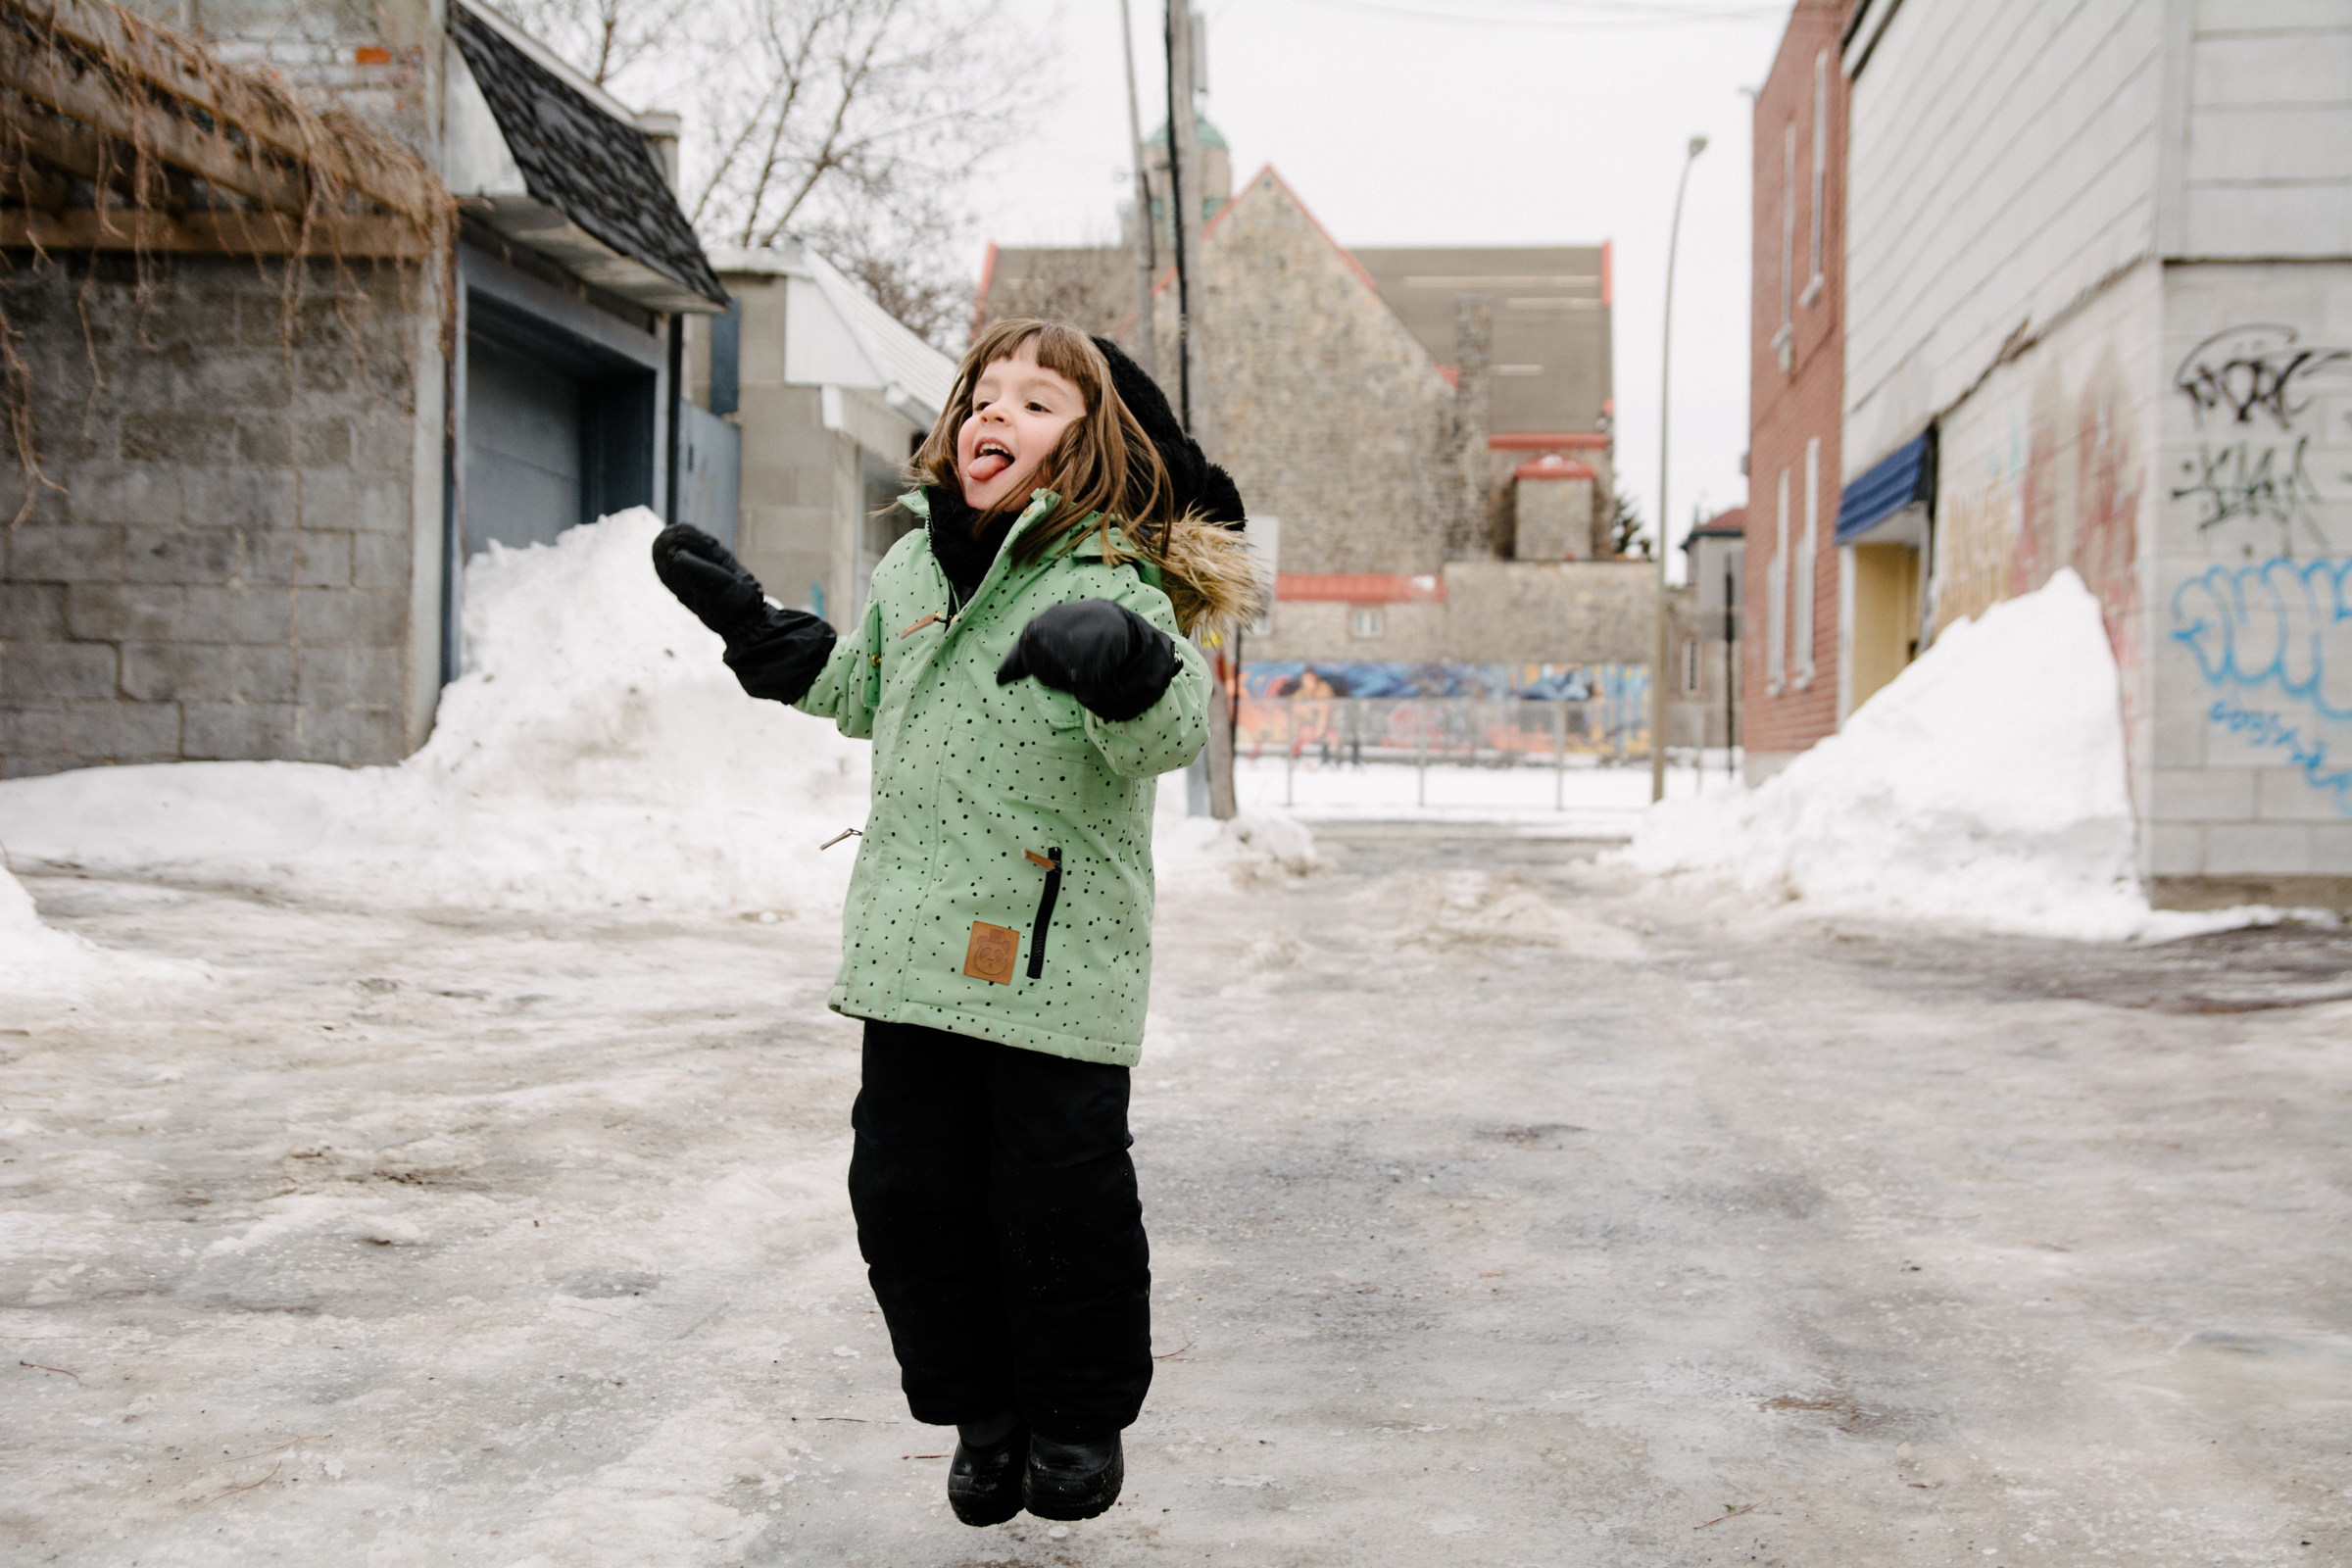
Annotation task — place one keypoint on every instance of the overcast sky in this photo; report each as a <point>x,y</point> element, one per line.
<point>1462,122</point>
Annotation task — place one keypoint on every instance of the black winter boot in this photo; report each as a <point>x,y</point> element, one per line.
<point>1074,1480</point>
<point>984,1479</point>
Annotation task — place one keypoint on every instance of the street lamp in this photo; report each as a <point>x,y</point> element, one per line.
<point>1658,671</point>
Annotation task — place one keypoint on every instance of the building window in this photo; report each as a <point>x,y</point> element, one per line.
<point>1776,601</point>
<point>1821,165</point>
<point>1783,341</point>
<point>1365,621</point>
<point>1690,667</point>
<point>1807,589</point>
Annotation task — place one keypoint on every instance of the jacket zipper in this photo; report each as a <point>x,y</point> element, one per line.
<point>1052,862</point>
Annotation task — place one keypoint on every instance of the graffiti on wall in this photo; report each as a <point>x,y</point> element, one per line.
<point>2251,390</point>
<point>2063,489</point>
<point>2280,632</point>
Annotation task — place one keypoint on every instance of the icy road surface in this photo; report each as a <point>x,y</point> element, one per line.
<point>1499,1218</point>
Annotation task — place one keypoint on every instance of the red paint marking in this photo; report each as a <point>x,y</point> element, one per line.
<point>1358,587</point>
<point>1539,441</point>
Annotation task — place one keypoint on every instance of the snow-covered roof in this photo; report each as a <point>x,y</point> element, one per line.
<point>839,337</point>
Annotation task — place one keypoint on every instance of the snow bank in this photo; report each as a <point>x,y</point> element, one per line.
<point>595,754</point>
<point>1263,842</point>
<point>32,957</point>
<point>1983,786</point>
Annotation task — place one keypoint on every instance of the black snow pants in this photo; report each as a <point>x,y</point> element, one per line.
<point>997,1215</point>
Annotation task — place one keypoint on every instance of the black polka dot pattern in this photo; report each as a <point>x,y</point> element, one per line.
<point>971,779</point>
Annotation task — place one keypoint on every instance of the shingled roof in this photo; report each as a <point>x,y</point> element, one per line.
<point>598,172</point>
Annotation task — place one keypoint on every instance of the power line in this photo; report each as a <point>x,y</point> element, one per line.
<point>1581,16</point>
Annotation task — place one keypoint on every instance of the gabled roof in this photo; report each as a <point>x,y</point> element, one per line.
<point>606,209</point>
<point>1732,524</point>
<point>837,337</point>
<point>1267,174</point>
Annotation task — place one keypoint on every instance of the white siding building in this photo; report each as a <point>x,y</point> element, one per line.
<point>2103,254</point>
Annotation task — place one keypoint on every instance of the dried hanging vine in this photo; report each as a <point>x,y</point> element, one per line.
<point>167,144</point>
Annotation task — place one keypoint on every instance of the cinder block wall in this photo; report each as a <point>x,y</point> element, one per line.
<point>227,570</point>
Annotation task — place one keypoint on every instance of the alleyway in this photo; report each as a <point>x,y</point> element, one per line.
<point>1499,1215</point>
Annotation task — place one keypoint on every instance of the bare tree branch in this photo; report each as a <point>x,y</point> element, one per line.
<point>855,124</point>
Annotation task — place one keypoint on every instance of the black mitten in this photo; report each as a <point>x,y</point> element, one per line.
<point>1115,662</point>
<point>707,578</point>
<point>1199,484</point>
<point>775,653</point>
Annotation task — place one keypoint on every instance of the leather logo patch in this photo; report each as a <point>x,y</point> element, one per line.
<point>994,952</point>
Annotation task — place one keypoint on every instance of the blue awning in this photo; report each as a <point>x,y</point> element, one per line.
<point>1905,478</point>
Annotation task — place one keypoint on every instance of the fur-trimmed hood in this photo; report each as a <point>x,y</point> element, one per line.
<point>1212,576</point>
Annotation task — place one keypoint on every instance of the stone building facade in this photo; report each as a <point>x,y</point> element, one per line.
<point>1428,507</point>
<point>1328,412</point>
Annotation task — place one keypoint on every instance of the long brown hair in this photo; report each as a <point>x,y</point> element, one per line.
<point>1104,466</point>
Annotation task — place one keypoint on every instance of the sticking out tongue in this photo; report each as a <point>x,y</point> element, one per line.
<point>988,466</point>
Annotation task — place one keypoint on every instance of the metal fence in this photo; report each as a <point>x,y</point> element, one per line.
<point>1459,731</point>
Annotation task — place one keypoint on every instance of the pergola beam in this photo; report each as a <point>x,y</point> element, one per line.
<point>107,70</point>
<point>214,233</point>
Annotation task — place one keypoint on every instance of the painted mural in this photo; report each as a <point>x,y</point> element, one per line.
<point>1347,707</point>
<point>2261,484</point>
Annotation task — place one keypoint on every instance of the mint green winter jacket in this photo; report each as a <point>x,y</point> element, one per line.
<point>979,790</point>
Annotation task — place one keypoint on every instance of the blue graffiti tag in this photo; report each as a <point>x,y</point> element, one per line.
<point>2274,623</point>
<point>2309,757</point>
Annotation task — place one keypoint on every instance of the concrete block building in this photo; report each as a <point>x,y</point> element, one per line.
<point>286,374</point>
<point>828,395</point>
<point>2096,314</point>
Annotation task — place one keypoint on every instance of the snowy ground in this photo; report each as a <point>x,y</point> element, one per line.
<point>1502,1213</point>
<point>443,1163</point>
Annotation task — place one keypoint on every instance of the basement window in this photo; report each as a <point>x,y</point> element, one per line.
<point>1366,621</point>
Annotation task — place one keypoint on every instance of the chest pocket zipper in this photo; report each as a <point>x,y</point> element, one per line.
<point>1052,862</point>
<point>873,655</point>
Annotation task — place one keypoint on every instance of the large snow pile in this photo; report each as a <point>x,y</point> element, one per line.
<point>1983,786</point>
<point>595,753</point>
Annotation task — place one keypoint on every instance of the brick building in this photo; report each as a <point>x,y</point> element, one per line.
<point>1790,687</point>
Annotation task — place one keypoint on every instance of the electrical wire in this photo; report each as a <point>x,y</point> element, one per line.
<point>1584,16</point>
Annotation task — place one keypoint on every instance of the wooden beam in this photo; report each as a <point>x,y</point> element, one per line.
<point>70,146</point>
<point>389,173</point>
<point>88,95</point>
<point>123,228</point>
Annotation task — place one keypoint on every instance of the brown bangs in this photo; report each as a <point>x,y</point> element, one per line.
<point>1104,466</point>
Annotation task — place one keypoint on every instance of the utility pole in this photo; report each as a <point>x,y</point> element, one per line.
<point>1184,189</point>
<point>1657,672</point>
<point>1147,328</point>
<point>1192,379</point>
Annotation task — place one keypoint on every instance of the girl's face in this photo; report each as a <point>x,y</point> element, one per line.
<point>1019,410</point>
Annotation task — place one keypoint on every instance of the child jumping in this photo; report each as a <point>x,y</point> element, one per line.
<point>1023,672</point>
